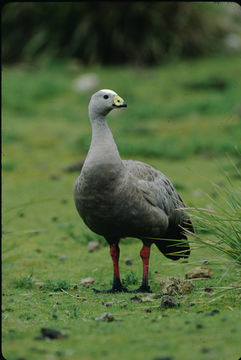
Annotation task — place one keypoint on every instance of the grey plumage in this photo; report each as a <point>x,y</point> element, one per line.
<point>126,198</point>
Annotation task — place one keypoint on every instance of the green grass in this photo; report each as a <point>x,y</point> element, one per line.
<point>185,133</point>
<point>222,220</point>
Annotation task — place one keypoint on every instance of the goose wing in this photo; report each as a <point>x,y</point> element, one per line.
<point>158,190</point>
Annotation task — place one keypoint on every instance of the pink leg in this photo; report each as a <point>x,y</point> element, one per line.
<point>115,254</point>
<point>117,286</point>
<point>145,254</point>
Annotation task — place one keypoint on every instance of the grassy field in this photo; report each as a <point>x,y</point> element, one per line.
<point>184,119</point>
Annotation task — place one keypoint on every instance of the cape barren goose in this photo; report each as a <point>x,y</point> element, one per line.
<point>125,198</point>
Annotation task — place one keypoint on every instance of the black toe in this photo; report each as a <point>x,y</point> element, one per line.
<point>142,289</point>
<point>112,290</point>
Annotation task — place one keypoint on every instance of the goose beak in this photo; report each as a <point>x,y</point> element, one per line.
<point>118,102</point>
<point>122,105</point>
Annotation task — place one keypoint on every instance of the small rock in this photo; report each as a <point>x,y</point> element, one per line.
<point>105,317</point>
<point>205,261</point>
<point>93,245</point>
<point>109,303</point>
<point>54,176</point>
<point>232,42</point>
<point>74,167</point>
<point>211,313</point>
<point>62,257</point>
<point>199,272</point>
<point>136,299</point>
<point>87,281</point>
<point>128,262</point>
<point>148,310</point>
<point>122,306</point>
<point>169,301</point>
<point>52,333</point>
<point>147,299</point>
<point>197,193</point>
<point>191,304</point>
<point>157,296</point>
<point>86,83</point>
<point>208,290</point>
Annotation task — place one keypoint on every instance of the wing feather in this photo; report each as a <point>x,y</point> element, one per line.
<point>158,190</point>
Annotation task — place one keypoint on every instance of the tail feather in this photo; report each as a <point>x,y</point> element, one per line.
<point>174,244</point>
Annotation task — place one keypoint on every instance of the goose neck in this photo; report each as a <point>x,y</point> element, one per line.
<point>103,148</point>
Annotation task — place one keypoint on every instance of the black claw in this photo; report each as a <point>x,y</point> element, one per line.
<point>142,289</point>
<point>109,291</point>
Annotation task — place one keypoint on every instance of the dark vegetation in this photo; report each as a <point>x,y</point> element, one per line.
<point>112,32</point>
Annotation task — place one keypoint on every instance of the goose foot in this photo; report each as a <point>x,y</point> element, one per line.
<point>142,289</point>
<point>112,290</point>
<point>116,287</point>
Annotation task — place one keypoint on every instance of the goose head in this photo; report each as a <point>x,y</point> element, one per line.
<point>103,101</point>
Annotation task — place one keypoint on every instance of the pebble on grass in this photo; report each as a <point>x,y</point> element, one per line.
<point>93,246</point>
<point>199,272</point>
<point>77,166</point>
<point>136,299</point>
<point>205,261</point>
<point>169,301</point>
<point>128,262</point>
<point>87,281</point>
<point>105,317</point>
<point>54,176</point>
<point>147,299</point>
<point>148,310</point>
<point>108,304</point>
<point>208,290</point>
<point>52,333</point>
<point>213,312</point>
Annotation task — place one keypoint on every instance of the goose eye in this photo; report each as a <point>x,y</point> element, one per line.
<point>105,96</point>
